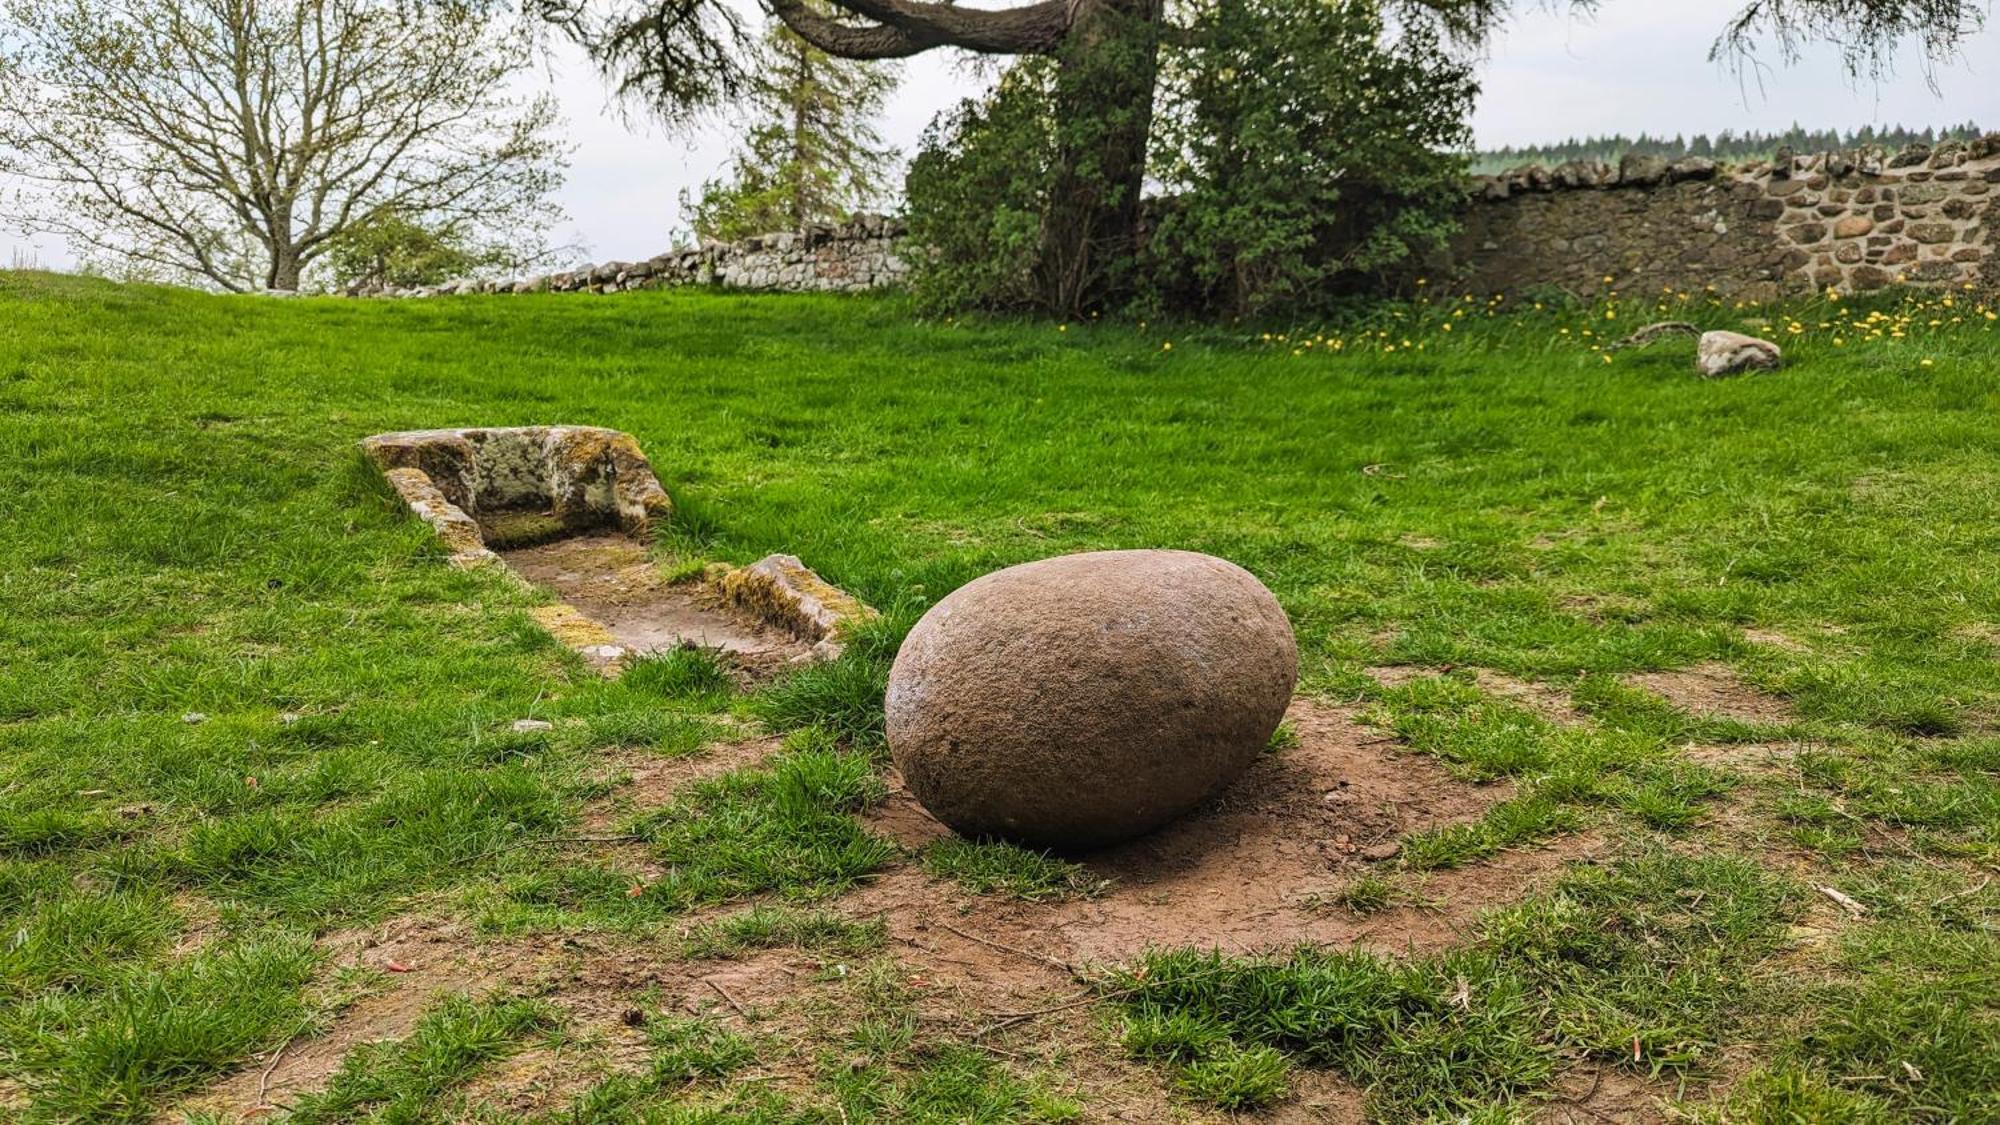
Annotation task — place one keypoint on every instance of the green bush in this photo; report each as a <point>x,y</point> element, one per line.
<point>975,192</point>
<point>1300,150</point>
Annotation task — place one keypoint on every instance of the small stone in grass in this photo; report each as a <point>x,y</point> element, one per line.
<point>1729,353</point>
<point>530,726</point>
<point>194,717</point>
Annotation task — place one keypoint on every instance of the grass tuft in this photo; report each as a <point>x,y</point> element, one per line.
<point>1238,1079</point>
<point>687,674</point>
<point>989,866</point>
<point>843,697</point>
<point>403,1080</point>
<point>777,927</point>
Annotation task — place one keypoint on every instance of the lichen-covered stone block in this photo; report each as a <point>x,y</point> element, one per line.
<point>583,476</point>
<point>458,531</point>
<point>786,592</point>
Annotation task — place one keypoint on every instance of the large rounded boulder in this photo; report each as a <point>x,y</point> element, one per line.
<point>1084,700</point>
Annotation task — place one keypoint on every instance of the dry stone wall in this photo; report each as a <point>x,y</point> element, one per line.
<point>1852,221</point>
<point>864,253</point>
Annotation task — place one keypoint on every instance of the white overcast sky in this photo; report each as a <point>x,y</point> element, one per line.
<point>1638,65</point>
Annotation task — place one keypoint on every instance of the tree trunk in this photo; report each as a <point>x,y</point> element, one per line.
<point>283,274</point>
<point>1104,111</point>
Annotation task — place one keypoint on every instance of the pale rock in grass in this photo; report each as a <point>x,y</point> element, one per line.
<point>531,726</point>
<point>1730,353</point>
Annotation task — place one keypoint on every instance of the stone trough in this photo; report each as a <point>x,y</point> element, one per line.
<point>572,510</point>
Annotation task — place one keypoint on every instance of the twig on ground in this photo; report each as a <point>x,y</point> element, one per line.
<point>1012,1018</point>
<point>264,1079</point>
<point>1967,893</point>
<point>724,993</point>
<point>1028,953</point>
<point>620,838</point>
<point>1848,903</point>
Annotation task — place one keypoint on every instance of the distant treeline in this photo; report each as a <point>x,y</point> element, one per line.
<point>1726,145</point>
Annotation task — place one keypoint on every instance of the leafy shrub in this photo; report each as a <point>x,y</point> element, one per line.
<point>1301,149</point>
<point>975,192</point>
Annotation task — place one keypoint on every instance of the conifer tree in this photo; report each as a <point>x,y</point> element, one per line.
<point>812,153</point>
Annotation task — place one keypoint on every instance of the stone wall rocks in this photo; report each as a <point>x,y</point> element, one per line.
<point>1855,221</point>
<point>863,253</point>
<point>1852,221</point>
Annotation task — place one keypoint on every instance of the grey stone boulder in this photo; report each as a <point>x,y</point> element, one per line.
<point>1691,168</point>
<point>1084,700</point>
<point>1729,353</point>
<point>1640,170</point>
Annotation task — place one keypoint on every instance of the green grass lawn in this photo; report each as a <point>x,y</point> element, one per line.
<point>243,704</point>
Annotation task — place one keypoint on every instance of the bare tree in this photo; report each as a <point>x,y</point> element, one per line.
<point>233,141</point>
<point>685,54</point>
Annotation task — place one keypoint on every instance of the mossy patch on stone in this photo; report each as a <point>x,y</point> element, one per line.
<point>521,528</point>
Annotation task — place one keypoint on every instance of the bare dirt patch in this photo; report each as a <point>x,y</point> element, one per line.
<point>595,981</point>
<point>1715,691</point>
<point>1980,632</point>
<point>1772,638</point>
<point>420,958</point>
<point>1319,1098</point>
<point>1250,872</point>
<point>1764,759</point>
<point>1594,1094</point>
<point>1396,675</point>
<point>1551,703</point>
<point>610,579</point>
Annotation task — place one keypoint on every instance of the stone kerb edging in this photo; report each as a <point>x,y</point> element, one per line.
<point>583,477</point>
<point>580,475</point>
